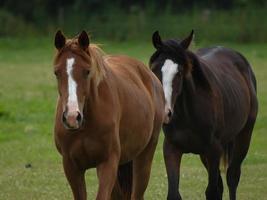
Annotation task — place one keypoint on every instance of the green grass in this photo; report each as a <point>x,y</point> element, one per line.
<point>27,103</point>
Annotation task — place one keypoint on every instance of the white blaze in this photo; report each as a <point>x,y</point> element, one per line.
<point>72,87</point>
<point>169,69</point>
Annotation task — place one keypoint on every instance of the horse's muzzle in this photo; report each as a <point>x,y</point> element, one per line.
<point>168,116</point>
<point>72,120</point>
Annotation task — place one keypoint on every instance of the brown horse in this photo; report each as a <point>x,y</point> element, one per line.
<point>109,114</point>
<point>211,108</point>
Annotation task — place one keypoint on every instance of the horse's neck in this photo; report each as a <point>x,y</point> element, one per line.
<point>93,95</point>
<point>199,73</point>
<point>193,83</point>
<point>186,99</point>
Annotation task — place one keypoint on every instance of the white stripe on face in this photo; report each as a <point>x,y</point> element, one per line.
<point>169,70</point>
<point>72,87</point>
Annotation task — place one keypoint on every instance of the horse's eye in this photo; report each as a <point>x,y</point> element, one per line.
<point>86,73</point>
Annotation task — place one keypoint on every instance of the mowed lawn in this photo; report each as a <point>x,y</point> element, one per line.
<point>28,95</point>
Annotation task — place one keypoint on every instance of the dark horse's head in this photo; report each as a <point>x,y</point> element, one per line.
<point>72,69</point>
<point>171,64</point>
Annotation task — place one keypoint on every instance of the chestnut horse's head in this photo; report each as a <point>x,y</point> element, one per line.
<point>171,64</point>
<point>72,68</point>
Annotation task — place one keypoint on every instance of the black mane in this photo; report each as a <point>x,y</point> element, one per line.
<point>173,49</point>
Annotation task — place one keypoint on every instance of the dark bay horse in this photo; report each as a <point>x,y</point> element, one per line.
<point>109,114</point>
<point>211,107</point>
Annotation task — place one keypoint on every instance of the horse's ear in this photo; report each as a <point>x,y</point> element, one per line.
<point>83,40</point>
<point>185,43</point>
<point>60,40</point>
<point>156,39</point>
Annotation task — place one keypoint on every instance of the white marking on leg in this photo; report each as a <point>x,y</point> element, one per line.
<point>169,70</point>
<point>72,87</point>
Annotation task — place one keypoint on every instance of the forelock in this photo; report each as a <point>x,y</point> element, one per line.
<point>73,46</point>
<point>171,49</point>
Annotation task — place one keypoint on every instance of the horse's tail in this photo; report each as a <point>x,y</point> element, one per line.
<point>226,156</point>
<point>123,186</point>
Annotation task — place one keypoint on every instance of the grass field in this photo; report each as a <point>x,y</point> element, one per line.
<point>27,104</point>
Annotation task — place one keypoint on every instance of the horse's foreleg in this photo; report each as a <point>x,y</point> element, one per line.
<point>76,179</point>
<point>107,174</point>
<point>172,158</point>
<point>213,162</point>
<point>220,182</point>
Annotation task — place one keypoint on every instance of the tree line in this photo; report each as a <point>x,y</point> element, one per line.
<point>32,10</point>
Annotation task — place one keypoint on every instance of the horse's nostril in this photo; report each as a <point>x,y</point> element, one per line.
<point>79,117</point>
<point>72,120</point>
<point>64,117</point>
<point>169,113</point>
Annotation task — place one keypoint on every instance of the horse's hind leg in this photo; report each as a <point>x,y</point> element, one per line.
<point>240,149</point>
<point>142,168</point>
<point>172,158</point>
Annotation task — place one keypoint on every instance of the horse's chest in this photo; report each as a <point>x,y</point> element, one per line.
<point>87,152</point>
<point>187,140</point>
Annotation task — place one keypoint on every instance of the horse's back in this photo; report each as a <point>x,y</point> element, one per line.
<point>235,84</point>
<point>228,63</point>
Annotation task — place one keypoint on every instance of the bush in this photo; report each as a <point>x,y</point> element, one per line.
<point>13,26</point>
<point>237,25</point>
